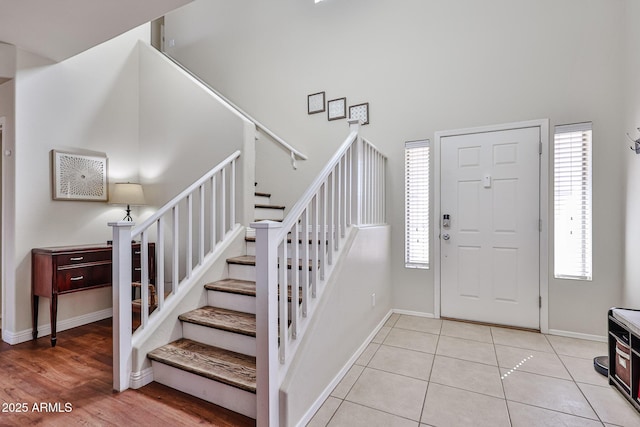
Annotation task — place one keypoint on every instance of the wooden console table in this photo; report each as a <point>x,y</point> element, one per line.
<point>64,269</point>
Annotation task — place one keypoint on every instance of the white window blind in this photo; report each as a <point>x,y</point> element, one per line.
<point>416,161</point>
<point>572,201</point>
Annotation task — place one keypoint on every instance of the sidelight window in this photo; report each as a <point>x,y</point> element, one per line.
<point>572,201</point>
<point>416,162</point>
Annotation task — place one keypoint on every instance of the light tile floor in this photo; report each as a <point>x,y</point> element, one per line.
<point>426,372</point>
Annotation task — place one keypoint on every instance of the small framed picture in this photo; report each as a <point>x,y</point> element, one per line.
<point>79,177</point>
<point>360,111</point>
<point>337,109</point>
<point>315,103</point>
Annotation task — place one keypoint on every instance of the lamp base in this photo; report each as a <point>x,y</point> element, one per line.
<point>127,217</point>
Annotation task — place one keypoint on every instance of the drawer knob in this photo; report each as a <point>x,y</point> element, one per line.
<point>80,258</point>
<point>77,278</point>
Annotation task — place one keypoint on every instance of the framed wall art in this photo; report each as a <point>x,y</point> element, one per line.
<point>360,111</point>
<point>337,109</point>
<point>79,177</point>
<point>315,103</point>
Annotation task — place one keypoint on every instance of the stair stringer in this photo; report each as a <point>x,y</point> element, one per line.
<point>165,327</point>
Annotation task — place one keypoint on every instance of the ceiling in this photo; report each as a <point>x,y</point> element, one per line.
<point>60,29</point>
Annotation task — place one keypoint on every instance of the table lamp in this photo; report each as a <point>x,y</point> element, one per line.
<point>127,193</point>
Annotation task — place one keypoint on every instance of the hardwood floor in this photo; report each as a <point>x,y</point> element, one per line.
<point>71,384</point>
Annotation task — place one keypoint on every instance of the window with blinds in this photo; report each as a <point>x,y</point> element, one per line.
<point>416,166</point>
<point>572,201</point>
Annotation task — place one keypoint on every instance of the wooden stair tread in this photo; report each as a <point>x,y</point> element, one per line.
<point>223,319</point>
<point>262,220</point>
<point>261,206</point>
<point>257,193</point>
<point>233,286</point>
<point>234,369</point>
<point>251,260</point>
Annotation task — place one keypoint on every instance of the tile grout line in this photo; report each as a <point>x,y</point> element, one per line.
<point>433,362</point>
<point>380,410</point>
<point>334,413</point>
<point>504,393</point>
<point>573,380</point>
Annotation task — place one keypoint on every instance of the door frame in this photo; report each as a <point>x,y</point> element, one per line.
<point>543,125</point>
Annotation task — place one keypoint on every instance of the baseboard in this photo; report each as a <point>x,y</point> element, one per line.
<point>141,378</point>
<point>414,313</point>
<point>327,391</point>
<point>569,334</point>
<point>44,330</point>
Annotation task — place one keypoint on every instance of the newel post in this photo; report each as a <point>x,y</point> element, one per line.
<point>358,184</point>
<point>121,284</point>
<point>267,363</point>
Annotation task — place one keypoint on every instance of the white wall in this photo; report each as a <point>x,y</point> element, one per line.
<point>88,103</point>
<point>426,67</point>
<point>632,122</point>
<point>7,61</point>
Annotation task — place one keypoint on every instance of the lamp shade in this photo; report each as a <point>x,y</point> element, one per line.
<point>126,193</point>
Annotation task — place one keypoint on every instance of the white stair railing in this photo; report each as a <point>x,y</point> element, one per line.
<point>350,191</point>
<point>186,236</point>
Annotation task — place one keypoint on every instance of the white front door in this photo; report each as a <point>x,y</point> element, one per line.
<point>489,251</point>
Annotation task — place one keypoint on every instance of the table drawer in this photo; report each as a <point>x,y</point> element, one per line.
<point>75,278</point>
<point>83,257</point>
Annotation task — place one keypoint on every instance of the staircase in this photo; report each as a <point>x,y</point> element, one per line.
<point>215,359</point>
<point>236,351</point>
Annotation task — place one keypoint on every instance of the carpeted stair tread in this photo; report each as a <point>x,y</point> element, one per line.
<point>262,206</point>
<point>234,369</point>
<point>223,319</point>
<point>251,260</point>
<point>242,260</point>
<point>233,286</point>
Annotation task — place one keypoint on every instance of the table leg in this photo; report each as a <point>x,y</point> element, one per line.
<point>34,313</point>
<point>54,316</point>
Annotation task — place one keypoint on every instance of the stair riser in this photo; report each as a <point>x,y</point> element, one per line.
<point>242,272</point>
<point>218,338</point>
<point>248,272</point>
<point>272,214</point>
<point>240,401</point>
<point>237,302</point>
<point>262,200</point>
